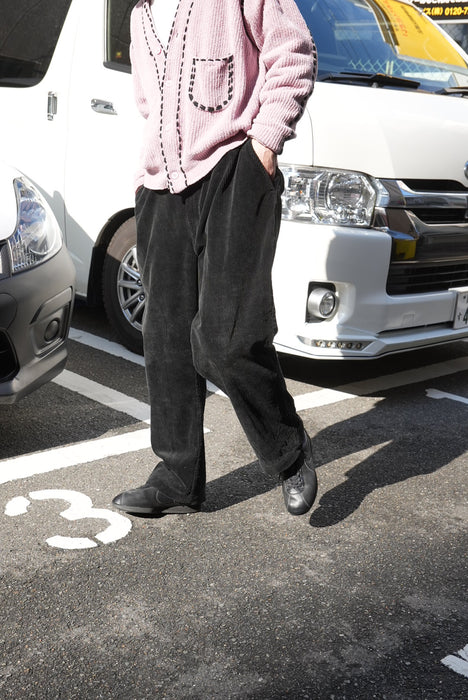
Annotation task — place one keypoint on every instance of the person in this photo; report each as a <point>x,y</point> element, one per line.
<point>221,85</point>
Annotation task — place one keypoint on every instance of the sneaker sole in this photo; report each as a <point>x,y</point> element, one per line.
<point>181,509</point>
<point>173,510</point>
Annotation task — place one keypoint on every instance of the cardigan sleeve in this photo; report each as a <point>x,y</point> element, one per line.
<point>289,57</point>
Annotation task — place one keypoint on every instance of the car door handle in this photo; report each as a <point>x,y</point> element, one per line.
<point>103,106</point>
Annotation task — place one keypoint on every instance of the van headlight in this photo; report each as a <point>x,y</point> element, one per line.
<point>37,236</point>
<point>325,196</point>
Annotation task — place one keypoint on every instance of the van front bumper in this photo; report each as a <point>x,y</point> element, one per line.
<point>368,322</point>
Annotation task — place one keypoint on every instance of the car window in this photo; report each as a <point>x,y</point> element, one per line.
<point>382,36</point>
<point>458,32</point>
<point>118,34</point>
<point>29,31</point>
<point>452,15</point>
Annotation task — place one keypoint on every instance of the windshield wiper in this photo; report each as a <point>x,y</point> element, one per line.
<point>371,79</point>
<point>462,90</point>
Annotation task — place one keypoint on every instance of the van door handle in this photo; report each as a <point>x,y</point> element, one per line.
<point>51,105</point>
<point>103,106</point>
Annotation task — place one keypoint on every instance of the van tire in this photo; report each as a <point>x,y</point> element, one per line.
<point>122,292</point>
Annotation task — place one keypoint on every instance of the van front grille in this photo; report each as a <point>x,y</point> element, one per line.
<point>414,278</point>
<point>435,215</point>
<point>428,223</point>
<point>435,186</point>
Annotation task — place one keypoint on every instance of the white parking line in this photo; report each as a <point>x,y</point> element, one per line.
<point>104,395</point>
<point>322,397</point>
<point>92,450</point>
<point>459,663</point>
<point>436,394</point>
<point>411,376</point>
<point>79,453</point>
<point>104,345</point>
<point>313,398</point>
<point>98,343</point>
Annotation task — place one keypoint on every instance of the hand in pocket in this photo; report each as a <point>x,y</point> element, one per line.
<point>266,156</point>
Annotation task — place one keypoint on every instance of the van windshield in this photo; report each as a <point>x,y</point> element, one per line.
<point>388,38</point>
<point>29,31</point>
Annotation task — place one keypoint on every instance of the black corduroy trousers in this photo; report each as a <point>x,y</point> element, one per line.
<point>205,257</point>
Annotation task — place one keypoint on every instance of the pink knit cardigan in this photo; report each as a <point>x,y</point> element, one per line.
<point>232,69</point>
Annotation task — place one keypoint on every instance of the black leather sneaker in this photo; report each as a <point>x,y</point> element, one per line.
<point>299,484</point>
<point>148,500</point>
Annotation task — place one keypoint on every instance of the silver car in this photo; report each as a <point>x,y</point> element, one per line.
<point>37,280</point>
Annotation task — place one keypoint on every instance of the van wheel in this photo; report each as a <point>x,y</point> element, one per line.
<point>123,295</point>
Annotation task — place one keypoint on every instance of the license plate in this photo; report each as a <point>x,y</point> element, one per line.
<point>460,319</point>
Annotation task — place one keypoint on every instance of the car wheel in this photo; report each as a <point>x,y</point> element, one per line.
<point>123,295</point>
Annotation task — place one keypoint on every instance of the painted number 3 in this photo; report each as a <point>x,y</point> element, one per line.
<point>81,507</point>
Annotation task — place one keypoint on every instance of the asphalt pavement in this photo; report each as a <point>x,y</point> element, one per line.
<point>364,597</point>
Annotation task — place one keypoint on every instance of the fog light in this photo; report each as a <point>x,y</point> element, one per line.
<point>322,303</point>
<point>52,331</point>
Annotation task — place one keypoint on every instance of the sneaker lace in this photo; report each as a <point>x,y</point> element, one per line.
<point>295,481</point>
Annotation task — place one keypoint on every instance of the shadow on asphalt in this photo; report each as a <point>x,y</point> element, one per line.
<point>405,440</point>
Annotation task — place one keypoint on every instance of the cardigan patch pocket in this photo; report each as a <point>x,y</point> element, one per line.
<point>211,83</point>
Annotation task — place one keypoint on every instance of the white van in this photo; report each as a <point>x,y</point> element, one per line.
<point>373,252</point>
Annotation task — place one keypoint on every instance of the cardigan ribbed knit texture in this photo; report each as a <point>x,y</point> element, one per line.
<point>232,69</point>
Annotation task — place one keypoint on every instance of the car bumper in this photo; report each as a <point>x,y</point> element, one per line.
<point>35,314</point>
<point>368,322</point>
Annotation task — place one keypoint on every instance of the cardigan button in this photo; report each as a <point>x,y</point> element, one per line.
<point>174,175</point>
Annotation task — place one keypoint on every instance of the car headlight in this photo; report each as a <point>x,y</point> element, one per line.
<point>37,236</point>
<point>325,196</point>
